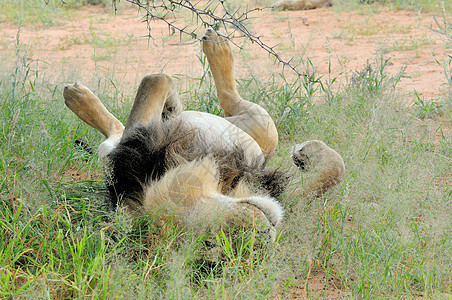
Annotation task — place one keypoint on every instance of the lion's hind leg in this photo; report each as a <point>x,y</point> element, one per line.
<point>248,116</point>
<point>90,109</point>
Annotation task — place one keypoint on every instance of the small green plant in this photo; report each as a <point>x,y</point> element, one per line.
<point>373,78</point>
<point>240,251</point>
<point>425,108</point>
<point>409,44</point>
<point>42,12</point>
<point>410,4</point>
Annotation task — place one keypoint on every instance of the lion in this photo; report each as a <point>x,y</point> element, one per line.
<point>303,4</point>
<point>206,172</point>
<point>198,167</point>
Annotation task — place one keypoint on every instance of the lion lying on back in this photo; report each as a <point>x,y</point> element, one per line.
<point>204,171</point>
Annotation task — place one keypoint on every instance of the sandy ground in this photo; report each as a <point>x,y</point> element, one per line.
<point>95,42</point>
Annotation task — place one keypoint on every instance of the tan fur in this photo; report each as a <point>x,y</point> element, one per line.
<point>190,194</point>
<point>182,186</point>
<point>250,117</point>
<point>155,94</point>
<point>323,165</point>
<point>88,107</point>
<point>303,4</point>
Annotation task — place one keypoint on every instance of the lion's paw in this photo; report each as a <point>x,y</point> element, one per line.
<point>324,163</point>
<point>76,96</point>
<point>217,49</point>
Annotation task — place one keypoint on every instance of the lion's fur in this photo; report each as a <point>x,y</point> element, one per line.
<point>165,168</point>
<point>148,105</point>
<point>248,116</point>
<point>87,106</point>
<point>90,109</point>
<point>182,186</point>
<point>191,193</point>
<point>147,153</point>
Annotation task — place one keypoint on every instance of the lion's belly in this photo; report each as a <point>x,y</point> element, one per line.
<point>218,133</point>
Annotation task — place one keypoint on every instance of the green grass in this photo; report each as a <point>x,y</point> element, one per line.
<point>372,27</point>
<point>54,12</point>
<point>42,12</point>
<point>384,232</point>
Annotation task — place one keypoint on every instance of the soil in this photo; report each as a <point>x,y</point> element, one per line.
<point>96,43</point>
<point>317,285</point>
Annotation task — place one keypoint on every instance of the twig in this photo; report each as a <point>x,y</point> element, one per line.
<point>214,15</point>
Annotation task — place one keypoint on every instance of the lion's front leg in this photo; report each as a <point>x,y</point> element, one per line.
<point>248,116</point>
<point>323,166</point>
<point>90,109</point>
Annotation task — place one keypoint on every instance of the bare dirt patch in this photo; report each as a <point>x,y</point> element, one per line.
<point>319,286</point>
<point>94,42</point>
<point>76,175</point>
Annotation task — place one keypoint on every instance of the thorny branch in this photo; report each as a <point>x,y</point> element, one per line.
<point>213,14</point>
